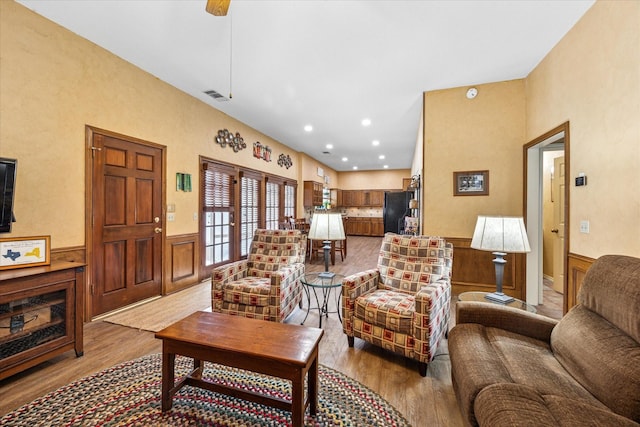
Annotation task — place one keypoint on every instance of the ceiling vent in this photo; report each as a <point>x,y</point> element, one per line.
<point>216,95</point>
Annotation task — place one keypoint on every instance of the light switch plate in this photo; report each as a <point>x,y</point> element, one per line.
<point>584,227</point>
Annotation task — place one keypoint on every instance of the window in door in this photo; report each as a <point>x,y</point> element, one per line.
<point>272,203</point>
<point>249,209</point>
<point>289,201</point>
<point>218,210</point>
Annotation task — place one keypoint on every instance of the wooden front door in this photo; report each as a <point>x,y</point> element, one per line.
<point>127,221</point>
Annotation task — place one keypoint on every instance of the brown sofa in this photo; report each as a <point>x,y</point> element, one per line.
<point>511,367</point>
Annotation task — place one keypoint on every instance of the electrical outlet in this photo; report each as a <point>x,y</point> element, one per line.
<point>195,216</point>
<point>171,217</point>
<point>584,227</point>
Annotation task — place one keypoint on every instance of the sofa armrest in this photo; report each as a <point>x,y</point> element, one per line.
<point>431,318</point>
<point>285,276</point>
<point>228,273</point>
<point>352,287</point>
<point>504,317</point>
<point>360,283</point>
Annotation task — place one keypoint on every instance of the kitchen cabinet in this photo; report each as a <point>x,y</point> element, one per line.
<point>336,198</point>
<point>351,198</point>
<point>373,198</point>
<point>377,227</point>
<point>312,193</point>
<point>364,226</point>
<point>40,314</point>
<point>362,198</point>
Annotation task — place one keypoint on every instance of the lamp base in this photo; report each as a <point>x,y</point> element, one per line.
<point>499,297</point>
<point>326,275</point>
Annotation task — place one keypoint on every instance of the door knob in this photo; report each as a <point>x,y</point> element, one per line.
<point>554,230</point>
<point>157,230</point>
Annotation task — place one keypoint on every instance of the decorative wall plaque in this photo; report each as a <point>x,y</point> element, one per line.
<point>236,142</point>
<point>261,151</point>
<point>285,160</point>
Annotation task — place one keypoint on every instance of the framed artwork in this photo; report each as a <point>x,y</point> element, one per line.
<point>471,183</point>
<point>24,252</point>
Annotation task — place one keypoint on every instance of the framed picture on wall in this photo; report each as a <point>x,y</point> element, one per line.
<point>471,183</point>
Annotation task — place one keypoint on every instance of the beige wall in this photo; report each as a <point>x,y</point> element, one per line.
<point>592,79</point>
<point>485,133</point>
<point>53,83</point>
<point>368,180</point>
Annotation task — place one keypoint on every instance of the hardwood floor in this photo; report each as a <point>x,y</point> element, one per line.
<point>424,401</point>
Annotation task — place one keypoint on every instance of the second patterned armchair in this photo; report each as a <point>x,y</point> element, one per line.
<point>267,285</point>
<point>403,305</point>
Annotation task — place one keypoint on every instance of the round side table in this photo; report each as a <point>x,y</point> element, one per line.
<point>321,285</point>
<point>480,297</point>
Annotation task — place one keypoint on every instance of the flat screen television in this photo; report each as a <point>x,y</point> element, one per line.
<point>7,190</point>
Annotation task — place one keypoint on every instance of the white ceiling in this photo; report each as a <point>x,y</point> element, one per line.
<point>325,63</point>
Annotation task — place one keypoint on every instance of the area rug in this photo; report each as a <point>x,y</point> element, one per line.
<point>129,395</point>
<point>158,314</point>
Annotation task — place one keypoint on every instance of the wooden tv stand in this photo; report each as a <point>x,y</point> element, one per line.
<point>41,314</point>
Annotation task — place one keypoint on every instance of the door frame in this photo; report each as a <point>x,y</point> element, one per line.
<point>532,208</point>
<point>89,214</point>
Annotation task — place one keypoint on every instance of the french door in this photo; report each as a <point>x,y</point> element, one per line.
<point>218,215</point>
<point>234,203</point>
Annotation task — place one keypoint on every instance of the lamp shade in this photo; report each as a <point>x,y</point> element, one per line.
<point>326,226</point>
<point>500,234</point>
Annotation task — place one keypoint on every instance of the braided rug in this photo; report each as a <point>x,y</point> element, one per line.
<point>129,395</point>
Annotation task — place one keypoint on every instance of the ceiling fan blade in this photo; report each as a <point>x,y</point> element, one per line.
<point>218,7</point>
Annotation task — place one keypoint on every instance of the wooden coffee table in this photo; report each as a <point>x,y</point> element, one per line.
<point>276,349</point>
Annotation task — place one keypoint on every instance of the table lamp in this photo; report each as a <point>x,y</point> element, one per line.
<point>326,227</point>
<point>500,235</point>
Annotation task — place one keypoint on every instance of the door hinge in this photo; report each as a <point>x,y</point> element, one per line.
<point>92,289</point>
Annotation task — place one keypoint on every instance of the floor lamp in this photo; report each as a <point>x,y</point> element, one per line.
<point>500,235</point>
<point>326,227</point>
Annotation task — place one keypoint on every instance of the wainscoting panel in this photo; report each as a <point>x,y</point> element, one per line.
<point>70,254</point>
<point>577,266</point>
<point>473,270</point>
<point>181,262</point>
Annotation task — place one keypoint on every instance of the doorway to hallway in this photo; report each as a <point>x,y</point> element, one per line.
<point>547,189</point>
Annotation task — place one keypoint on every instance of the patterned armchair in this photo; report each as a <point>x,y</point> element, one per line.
<point>403,304</point>
<point>267,284</point>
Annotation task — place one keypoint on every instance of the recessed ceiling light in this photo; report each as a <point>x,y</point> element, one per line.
<point>366,122</point>
<point>375,142</point>
<point>386,166</point>
<point>329,146</point>
<point>355,168</point>
<point>308,128</point>
<point>381,156</point>
<point>344,159</point>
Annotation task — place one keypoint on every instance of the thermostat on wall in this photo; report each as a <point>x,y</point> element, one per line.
<point>581,180</point>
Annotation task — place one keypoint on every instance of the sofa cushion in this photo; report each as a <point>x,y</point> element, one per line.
<point>252,291</point>
<point>407,263</point>
<point>601,357</point>
<point>387,309</point>
<point>519,405</point>
<point>611,288</point>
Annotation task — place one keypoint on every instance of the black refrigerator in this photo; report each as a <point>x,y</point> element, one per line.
<point>396,207</point>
